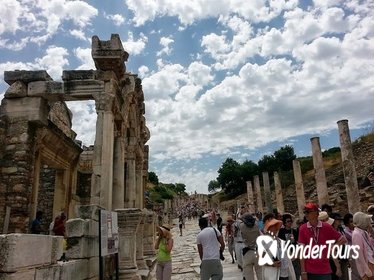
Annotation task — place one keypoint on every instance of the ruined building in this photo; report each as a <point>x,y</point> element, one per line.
<point>44,167</point>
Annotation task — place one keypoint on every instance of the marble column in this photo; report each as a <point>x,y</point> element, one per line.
<point>130,180</point>
<point>265,178</point>
<point>128,223</point>
<point>119,172</point>
<point>102,177</point>
<point>256,180</point>
<point>319,172</point>
<point>251,203</point>
<point>349,169</point>
<point>300,195</point>
<point>139,183</point>
<point>278,193</point>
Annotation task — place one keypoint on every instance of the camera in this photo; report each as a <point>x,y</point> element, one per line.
<point>222,258</point>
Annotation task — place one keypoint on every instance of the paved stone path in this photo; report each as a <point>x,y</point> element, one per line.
<point>186,259</point>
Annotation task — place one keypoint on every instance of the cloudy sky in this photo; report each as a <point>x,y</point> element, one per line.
<point>221,78</point>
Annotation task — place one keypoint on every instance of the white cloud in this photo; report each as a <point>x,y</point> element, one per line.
<point>165,42</point>
<point>135,47</point>
<point>191,11</point>
<point>10,11</point>
<point>200,74</point>
<point>54,61</point>
<point>40,20</point>
<point>142,71</point>
<point>79,34</point>
<point>117,19</point>
<point>85,57</point>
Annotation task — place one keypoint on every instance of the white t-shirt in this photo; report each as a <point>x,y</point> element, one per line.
<point>208,239</point>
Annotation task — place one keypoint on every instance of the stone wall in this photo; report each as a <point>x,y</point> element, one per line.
<point>84,187</point>
<point>16,176</point>
<point>46,195</point>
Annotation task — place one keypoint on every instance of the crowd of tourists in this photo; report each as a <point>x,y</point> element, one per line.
<point>341,247</point>
<point>339,243</point>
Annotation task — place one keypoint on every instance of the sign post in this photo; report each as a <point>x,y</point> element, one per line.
<point>108,239</point>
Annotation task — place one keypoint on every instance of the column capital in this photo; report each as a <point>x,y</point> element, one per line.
<point>104,102</point>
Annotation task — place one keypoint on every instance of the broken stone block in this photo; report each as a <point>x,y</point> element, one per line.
<point>16,90</point>
<point>80,227</point>
<point>24,250</point>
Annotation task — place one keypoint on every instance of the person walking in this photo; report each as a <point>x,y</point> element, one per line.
<point>229,237</point>
<point>180,224</point>
<point>250,231</point>
<point>288,233</point>
<point>210,246</point>
<point>219,222</point>
<point>164,245</point>
<point>317,233</point>
<point>361,237</point>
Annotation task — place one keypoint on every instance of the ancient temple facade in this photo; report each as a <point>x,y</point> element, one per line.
<point>44,167</point>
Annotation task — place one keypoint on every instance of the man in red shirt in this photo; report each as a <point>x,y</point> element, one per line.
<point>317,233</point>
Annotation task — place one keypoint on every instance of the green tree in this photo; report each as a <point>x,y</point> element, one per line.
<point>213,186</point>
<point>331,152</point>
<point>152,177</point>
<point>180,188</point>
<point>230,177</point>
<point>267,164</point>
<point>248,170</point>
<point>284,157</point>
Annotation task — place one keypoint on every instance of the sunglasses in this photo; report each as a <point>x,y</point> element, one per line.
<point>289,221</point>
<point>309,211</point>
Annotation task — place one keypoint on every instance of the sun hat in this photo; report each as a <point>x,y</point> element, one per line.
<point>324,217</point>
<point>272,222</point>
<point>370,209</point>
<point>248,219</point>
<point>362,220</point>
<point>312,206</point>
<point>165,229</point>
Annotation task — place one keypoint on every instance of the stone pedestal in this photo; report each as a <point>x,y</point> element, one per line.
<point>128,223</point>
<point>278,193</point>
<point>349,169</point>
<point>300,195</point>
<point>149,233</point>
<point>320,176</point>
<point>140,262</point>
<point>258,194</point>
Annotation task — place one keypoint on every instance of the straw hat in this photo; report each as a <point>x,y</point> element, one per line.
<point>273,222</point>
<point>324,217</point>
<point>165,229</point>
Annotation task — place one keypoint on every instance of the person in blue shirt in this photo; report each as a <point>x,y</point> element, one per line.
<point>36,226</point>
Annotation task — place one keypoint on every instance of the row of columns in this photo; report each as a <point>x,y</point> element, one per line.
<point>350,178</point>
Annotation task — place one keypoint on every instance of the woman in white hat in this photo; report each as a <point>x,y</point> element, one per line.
<point>282,267</point>
<point>164,244</point>
<point>361,237</point>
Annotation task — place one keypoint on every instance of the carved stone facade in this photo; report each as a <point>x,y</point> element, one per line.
<point>42,165</point>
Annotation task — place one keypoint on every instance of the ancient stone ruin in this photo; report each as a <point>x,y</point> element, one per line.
<point>44,167</point>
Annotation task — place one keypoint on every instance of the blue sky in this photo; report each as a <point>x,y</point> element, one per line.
<point>229,78</point>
